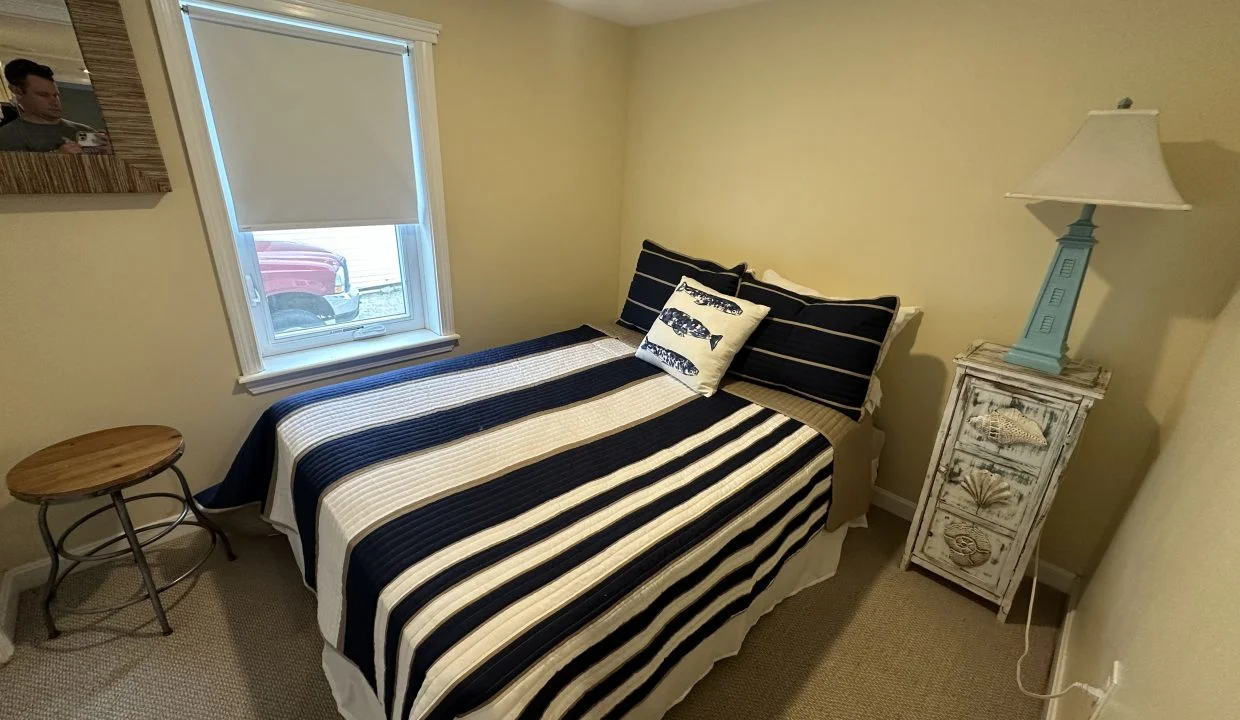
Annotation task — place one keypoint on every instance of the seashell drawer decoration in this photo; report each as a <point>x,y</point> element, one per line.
<point>987,489</point>
<point>982,488</point>
<point>1005,438</point>
<point>968,545</point>
<point>1009,426</point>
<point>964,550</point>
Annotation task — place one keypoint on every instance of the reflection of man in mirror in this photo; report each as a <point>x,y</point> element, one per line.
<point>41,126</point>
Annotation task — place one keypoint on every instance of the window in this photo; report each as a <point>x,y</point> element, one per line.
<point>314,146</point>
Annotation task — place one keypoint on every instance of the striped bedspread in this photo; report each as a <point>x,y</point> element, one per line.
<point>539,530</point>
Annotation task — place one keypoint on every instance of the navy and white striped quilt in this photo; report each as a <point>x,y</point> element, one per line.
<point>539,530</point>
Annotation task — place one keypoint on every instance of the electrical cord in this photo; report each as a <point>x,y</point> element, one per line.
<point>1033,591</point>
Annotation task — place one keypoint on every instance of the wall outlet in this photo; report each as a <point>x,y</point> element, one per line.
<point>1103,699</point>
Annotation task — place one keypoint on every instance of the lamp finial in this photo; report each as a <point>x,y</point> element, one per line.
<point>1124,104</point>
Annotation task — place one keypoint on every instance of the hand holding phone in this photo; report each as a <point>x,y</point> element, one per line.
<point>94,142</point>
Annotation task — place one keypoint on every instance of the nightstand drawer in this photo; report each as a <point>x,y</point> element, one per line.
<point>966,548</point>
<point>988,490</point>
<point>1011,425</point>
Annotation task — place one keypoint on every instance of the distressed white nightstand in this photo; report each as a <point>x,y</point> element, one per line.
<point>1007,435</point>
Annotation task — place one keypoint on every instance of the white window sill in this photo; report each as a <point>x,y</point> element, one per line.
<point>305,366</point>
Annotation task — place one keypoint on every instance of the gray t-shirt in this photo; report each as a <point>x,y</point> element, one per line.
<point>21,135</point>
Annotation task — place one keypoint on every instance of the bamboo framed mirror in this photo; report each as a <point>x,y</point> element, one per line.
<point>75,118</point>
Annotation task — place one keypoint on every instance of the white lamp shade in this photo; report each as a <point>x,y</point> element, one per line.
<point>1114,159</point>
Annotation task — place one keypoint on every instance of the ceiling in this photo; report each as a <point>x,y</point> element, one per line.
<point>649,12</point>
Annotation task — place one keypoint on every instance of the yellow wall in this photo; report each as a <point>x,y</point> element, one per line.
<point>111,313</point>
<point>1163,601</point>
<point>864,147</point>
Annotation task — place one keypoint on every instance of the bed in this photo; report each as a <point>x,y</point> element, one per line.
<point>553,528</point>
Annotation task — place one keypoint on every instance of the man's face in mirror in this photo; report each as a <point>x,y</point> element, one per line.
<point>39,98</point>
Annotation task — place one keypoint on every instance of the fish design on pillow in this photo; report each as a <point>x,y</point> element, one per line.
<point>684,324</point>
<point>708,300</point>
<point>670,358</point>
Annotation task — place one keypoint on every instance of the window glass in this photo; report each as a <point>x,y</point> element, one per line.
<point>322,277</point>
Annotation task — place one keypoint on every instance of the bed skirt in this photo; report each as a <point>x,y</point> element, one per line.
<point>816,562</point>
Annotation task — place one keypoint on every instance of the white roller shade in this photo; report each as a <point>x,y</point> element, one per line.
<point>313,126</point>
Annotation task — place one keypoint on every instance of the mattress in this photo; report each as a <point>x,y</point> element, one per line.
<point>552,528</point>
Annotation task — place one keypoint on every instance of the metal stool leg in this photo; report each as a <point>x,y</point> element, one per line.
<point>151,589</point>
<point>202,518</point>
<point>49,588</point>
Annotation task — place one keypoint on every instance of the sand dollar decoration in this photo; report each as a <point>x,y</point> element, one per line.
<point>968,545</point>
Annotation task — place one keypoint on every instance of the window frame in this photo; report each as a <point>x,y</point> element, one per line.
<point>261,368</point>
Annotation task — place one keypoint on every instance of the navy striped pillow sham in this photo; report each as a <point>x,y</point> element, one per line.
<point>658,272</point>
<point>824,350</point>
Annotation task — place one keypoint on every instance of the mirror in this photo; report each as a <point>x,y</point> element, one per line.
<point>123,156</point>
<point>47,101</point>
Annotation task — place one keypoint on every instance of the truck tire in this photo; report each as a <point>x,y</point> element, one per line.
<point>294,319</point>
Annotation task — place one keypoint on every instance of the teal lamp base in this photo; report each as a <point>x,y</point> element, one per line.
<point>1044,344</point>
<point>1050,364</point>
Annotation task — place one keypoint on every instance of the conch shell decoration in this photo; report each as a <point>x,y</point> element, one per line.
<point>1009,426</point>
<point>968,545</point>
<point>986,488</point>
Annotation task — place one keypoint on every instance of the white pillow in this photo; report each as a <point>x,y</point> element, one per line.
<point>698,332</point>
<point>904,316</point>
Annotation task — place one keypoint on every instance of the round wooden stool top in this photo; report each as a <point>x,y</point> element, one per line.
<point>96,463</point>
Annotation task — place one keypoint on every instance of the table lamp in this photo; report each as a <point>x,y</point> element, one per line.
<point>1114,159</point>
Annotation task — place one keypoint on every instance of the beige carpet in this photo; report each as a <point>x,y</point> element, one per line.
<point>872,643</point>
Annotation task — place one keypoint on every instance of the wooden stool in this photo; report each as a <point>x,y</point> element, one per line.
<point>105,463</point>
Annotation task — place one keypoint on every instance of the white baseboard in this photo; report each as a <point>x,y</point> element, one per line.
<point>1048,574</point>
<point>894,504</point>
<point>12,584</point>
<point>1053,576</point>
<point>1059,664</point>
<point>8,617</point>
<point>18,580</point>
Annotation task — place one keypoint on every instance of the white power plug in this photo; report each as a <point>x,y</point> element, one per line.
<point>1102,697</point>
<point>1099,696</point>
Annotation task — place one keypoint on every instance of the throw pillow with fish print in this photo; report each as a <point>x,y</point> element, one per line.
<point>698,332</point>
